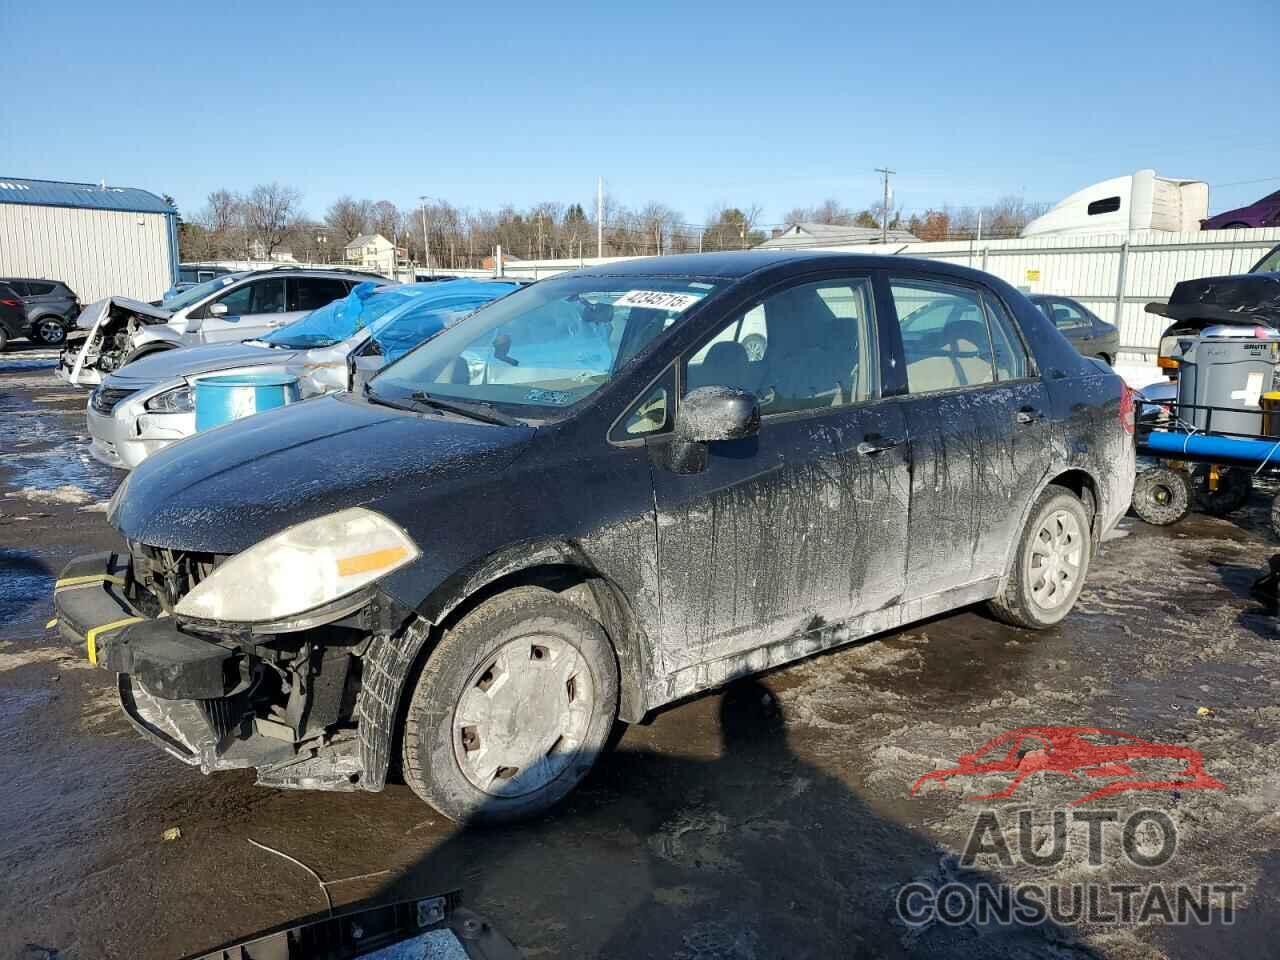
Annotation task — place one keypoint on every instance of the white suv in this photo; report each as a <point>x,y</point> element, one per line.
<point>234,307</point>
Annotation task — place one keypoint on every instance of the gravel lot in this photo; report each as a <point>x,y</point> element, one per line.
<point>774,820</point>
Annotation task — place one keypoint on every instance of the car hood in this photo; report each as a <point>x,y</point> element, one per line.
<point>92,315</point>
<point>223,491</point>
<point>1244,298</point>
<point>192,361</point>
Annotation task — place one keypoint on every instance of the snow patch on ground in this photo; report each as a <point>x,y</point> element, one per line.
<point>13,656</point>
<point>67,493</point>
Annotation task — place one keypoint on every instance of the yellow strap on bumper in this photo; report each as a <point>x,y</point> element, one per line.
<point>86,580</point>
<point>91,638</point>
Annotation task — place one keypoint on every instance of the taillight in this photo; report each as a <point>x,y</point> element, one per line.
<point>11,303</point>
<point>1126,407</point>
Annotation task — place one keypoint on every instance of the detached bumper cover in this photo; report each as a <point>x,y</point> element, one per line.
<point>171,684</point>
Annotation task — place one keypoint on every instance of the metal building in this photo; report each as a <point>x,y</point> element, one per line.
<point>98,239</point>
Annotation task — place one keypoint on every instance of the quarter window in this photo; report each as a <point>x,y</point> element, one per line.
<point>803,348</point>
<point>944,336</point>
<point>1010,355</point>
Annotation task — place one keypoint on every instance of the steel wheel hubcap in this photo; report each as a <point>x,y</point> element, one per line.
<point>1053,565</point>
<point>523,716</point>
<point>51,332</point>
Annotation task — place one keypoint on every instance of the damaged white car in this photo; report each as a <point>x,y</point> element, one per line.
<point>151,403</point>
<point>235,307</point>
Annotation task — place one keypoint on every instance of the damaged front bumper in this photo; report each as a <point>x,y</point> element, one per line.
<point>222,699</point>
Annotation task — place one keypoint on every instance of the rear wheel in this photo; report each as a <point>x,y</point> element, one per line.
<point>1161,496</point>
<point>49,331</point>
<point>511,709</point>
<point>1221,490</point>
<point>1050,563</point>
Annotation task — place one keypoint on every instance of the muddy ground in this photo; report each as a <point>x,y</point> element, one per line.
<point>771,821</point>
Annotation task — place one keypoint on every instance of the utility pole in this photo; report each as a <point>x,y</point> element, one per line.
<point>426,237</point>
<point>599,216</point>
<point>884,211</point>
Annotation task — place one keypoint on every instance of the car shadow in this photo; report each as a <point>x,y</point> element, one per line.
<point>756,853</point>
<point>1240,580</point>
<point>25,581</point>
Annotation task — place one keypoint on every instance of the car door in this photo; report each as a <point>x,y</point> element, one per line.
<point>803,525</point>
<point>1073,323</point>
<point>976,414</point>
<point>247,311</point>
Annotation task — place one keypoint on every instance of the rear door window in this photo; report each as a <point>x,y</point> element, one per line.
<point>1009,353</point>
<point>944,335</point>
<point>39,289</point>
<point>1068,318</point>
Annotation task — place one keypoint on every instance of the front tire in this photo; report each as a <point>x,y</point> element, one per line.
<point>1161,496</point>
<point>512,708</point>
<point>1050,564</point>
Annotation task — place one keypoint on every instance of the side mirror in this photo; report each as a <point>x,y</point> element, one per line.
<point>706,415</point>
<point>218,310</point>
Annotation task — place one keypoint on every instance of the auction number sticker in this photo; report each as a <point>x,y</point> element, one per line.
<point>658,300</point>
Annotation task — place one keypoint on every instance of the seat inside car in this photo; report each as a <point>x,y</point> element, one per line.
<point>809,361</point>
<point>963,358</point>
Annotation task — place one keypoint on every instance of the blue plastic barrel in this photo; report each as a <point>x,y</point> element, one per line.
<point>222,399</point>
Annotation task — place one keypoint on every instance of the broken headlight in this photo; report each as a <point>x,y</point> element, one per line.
<point>301,568</point>
<point>177,400</point>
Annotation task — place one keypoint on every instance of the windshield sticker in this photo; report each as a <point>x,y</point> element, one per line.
<point>658,300</point>
<point>557,398</point>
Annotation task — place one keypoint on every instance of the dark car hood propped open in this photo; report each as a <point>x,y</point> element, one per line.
<point>223,491</point>
<point>1244,298</point>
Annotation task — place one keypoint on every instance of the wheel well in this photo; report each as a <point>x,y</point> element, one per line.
<point>1083,486</point>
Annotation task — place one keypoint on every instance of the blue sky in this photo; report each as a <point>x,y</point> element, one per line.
<point>691,104</point>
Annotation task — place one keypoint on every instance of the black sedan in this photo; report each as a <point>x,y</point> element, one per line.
<point>590,499</point>
<point>1089,334</point>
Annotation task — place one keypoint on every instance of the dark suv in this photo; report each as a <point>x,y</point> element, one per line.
<point>51,307</point>
<point>588,500</point>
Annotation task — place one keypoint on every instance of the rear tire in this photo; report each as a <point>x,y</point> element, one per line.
<point>1050,564</point>
<point>1161,496</point>
<point>512,708</point>
<point>1229,493</point>
<point>49,331</point>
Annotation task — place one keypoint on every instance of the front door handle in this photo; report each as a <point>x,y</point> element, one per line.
<point>877,444</point>
<point>1029,415</point>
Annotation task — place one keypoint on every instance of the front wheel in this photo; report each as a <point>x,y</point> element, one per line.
<point>1050,564</point>
<point>512,708</point>
<point>1161,496</point>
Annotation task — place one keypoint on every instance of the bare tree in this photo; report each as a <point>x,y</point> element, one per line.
<point>222,220</point>
<point>270,210</point>
<point>349,217</point>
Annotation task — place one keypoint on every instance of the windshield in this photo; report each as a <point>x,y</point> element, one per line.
<point>198,292</point>
<point>336,321</point>
<point>1269,264</point>
<point>548,346</point>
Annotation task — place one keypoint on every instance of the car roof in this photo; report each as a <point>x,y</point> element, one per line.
<point>735,265</point>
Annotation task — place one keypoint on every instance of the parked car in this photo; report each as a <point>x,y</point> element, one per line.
<point>149,404</point>
<point>13,316</point>
<point>1088,332</point>
<point>231,308</point>
<point>1247,300</point>
<point>191,274</point>
<point>584,502</point>
<point>51,308</point>
<point>1260,213</point>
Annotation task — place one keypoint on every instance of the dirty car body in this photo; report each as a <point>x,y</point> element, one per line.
<point>149,404</point>
<point>709,514</point>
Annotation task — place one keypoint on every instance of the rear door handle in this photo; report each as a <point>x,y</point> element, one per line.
<point>1029,415</point>
<point>876,444</point>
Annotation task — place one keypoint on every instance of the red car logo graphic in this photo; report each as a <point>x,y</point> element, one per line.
<point>1076,752</point>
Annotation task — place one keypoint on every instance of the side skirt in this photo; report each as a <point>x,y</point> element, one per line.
<point>716,673</point>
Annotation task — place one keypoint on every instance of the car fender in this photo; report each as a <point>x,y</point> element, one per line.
<point>160,333</point>
<point>1057,467</point>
